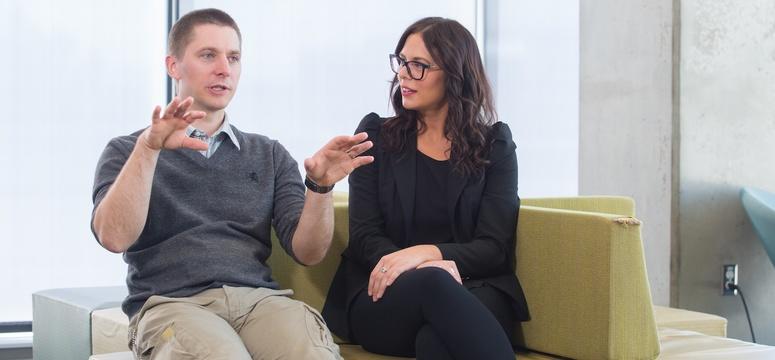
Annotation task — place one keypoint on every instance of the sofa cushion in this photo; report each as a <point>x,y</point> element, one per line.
<point>684,344</point>
<point>680,319</point>
<point>124,355</point>
<point>109,340</point>
<point>109,331</point>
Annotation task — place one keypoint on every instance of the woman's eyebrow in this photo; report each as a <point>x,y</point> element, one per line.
<point>414,58</point>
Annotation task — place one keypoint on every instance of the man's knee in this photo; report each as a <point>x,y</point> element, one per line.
<point>180,331</point>
<point>298,331</point>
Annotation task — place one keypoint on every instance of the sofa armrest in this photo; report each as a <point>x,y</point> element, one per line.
<point>584,277</point>
<point>61,320</point>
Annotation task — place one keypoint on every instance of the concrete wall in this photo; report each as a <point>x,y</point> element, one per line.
<point>727,101</point>
<point>626,121</point>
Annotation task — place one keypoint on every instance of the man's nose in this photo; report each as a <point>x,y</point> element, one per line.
<point>222,66</point>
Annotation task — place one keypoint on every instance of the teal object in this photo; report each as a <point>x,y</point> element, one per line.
<point>760,206</point>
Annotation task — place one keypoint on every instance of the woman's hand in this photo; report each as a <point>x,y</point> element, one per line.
<point>392,265</point>
<point>448,266</point>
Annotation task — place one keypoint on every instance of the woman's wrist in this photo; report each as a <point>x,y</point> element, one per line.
<point>432,252</point>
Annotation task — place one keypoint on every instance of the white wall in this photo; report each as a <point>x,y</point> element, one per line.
<point>727,142</point>
<point>75,74</point>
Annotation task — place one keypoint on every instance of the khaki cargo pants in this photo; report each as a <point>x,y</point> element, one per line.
<point>230,323</point>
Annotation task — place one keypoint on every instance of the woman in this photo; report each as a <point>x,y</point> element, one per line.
<point>429,269</point>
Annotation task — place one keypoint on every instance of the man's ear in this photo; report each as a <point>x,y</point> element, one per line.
<point>172,67</point>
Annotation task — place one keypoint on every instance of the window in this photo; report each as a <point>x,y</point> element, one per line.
<point>77,73</point>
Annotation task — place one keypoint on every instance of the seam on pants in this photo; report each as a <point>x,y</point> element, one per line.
<point>317,330</point>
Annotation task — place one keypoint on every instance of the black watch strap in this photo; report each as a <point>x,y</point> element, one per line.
<point>320,189</point>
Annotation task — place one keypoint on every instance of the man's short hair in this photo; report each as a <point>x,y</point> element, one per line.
<point>181,32</point>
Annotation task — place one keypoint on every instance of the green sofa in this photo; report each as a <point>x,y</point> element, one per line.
<point>580,261</point>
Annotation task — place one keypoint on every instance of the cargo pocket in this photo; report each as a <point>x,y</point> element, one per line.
<point>318,331</point>
<point>171,343</point>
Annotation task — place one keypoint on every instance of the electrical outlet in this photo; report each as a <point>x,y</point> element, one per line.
<point>729,276</point>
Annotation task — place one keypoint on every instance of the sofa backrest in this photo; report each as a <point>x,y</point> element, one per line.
<point>310,283</point>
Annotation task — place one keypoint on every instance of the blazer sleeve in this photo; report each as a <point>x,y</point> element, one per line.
<point>495,232</point>
<point>368,239</point>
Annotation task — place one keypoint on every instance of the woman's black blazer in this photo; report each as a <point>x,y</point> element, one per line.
<point>483,212</point>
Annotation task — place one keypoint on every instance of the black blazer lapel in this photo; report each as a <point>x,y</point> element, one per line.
<point>455,185</point>
<point>405,173</point>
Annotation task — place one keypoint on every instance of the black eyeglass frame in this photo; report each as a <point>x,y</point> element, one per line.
<point>396,59</point>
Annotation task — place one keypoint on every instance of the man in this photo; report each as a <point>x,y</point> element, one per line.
<point>190,201</point>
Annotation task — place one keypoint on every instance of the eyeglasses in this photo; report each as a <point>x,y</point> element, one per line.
<point>415,69</point>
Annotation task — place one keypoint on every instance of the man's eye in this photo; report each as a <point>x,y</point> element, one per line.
<point>207,56</point>
<point>234,59</point>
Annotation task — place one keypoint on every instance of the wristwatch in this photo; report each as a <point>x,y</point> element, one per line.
<point>313,186</point>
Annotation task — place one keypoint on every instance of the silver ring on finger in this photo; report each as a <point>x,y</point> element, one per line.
<point>383,269</point>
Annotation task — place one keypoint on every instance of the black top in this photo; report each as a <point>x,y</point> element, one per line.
<point>481,213</point>
<point>431,222</point>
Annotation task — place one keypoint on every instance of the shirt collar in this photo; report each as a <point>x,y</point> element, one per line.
<point>225,128</point>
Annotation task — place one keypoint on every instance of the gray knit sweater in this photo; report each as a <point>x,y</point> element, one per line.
<point>209,219</point>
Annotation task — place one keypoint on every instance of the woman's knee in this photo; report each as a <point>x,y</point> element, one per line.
<point>428,278</point>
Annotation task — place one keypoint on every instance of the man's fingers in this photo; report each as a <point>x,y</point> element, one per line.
<point>193,144</point>
<point>360,161</point>
<point>359,149</point>
<point>192,116</point>
<point>346,142</point>
<point>183,107</point>
<point>156,113</point>
<point>171,107</point>
<point>197,115</point>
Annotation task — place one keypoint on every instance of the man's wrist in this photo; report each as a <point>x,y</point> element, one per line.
<point>143,140</point>
<point>313,186</point>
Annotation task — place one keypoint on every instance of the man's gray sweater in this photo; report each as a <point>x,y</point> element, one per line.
<point>209,219</point>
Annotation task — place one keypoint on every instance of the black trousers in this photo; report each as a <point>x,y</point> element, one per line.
<point>428,315</point>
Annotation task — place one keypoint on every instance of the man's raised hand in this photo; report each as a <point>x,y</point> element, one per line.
<point>338,159</point>
<point>168,130</point>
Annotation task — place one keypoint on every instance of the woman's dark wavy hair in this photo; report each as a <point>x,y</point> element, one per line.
<point>467,93</point>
